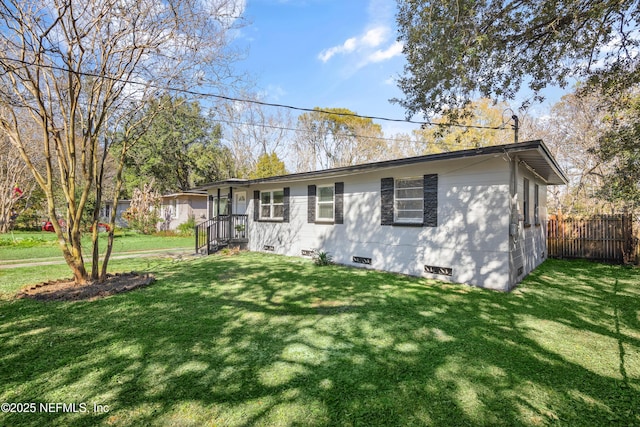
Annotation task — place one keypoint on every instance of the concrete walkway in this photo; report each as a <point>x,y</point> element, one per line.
<point>172,253</point>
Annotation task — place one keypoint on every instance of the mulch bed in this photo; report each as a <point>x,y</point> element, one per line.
<point>67,290</point>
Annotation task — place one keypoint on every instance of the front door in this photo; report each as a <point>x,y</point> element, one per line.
<point>240,203</point>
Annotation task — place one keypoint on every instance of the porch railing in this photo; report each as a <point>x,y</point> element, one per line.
<point>220,231</point>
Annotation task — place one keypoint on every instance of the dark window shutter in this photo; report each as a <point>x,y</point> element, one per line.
<point>386,201</point>
<point>311,203</point>
<point>430,213</point>
<point>285,213</point>
<point>339,203</point>
<point>256,205</point>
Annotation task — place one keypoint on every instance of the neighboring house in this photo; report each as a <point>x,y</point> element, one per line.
<point>178,208</point>
<point>474,216</point>
<point>105,212</point>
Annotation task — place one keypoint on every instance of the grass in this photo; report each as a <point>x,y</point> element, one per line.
<point>256,339</point>
<point>42,244</point>
<point>14,279</point>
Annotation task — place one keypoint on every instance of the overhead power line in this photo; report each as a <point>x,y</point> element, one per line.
<point>248,101</point>
<point>451,146</point>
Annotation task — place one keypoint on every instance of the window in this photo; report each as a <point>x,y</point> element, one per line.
<point>325,203</point>
<point>220,206</point>
<point>409,200</point>
<point>272,204</point>
<point>525,201</point>
<point>536,204</point>
<point>106,211</point>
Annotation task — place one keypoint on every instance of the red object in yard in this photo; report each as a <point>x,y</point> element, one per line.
<point>47,226</point>
<point>103,227</point>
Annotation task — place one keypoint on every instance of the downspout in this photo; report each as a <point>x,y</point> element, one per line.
<point>513,217</point>
<point>513,188</point>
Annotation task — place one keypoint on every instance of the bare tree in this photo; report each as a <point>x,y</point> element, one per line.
<point>333,137</point>
<point>572,130</point>
<point>251,130</point>
<point>76,66</point>
<point>14,184</point>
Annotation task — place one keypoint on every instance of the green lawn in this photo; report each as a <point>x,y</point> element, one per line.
<point>259,339</point>
<point>42,244</point>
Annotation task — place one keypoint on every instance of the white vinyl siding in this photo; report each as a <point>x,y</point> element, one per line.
<point>409,200</point>
<point>272,204</point>
<point>474,212</point>
<point>325,203</point>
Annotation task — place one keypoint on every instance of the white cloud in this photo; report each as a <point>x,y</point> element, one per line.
<point>370,39</point>
<point>375,36</point>
<point>382,55</point>
<point>348,46</point>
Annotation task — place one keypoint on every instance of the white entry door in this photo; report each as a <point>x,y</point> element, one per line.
<point>240,205</point>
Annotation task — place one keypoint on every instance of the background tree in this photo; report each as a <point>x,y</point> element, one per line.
<point>251,130</point>
<point>180,149</point>
<point>15,185</point>
<point>460,50</point>
<point>143,213</point>
<point>571,130</point>
<point>481,125</point>
<point>619,146</point>
<point>333,137</point>
<point>74,66</point>
<point>268,165</point>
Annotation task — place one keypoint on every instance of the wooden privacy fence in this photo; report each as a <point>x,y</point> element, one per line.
<point>607,238</point>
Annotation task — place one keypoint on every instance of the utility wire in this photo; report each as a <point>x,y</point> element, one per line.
<point>248,101</point>
<point>448,145</point>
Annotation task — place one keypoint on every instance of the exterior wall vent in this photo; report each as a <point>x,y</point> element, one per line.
<point>520,270</point>
<point>307,252</point>
<point>443,271</point>
<point>269,248</point>
<point>361,260</point>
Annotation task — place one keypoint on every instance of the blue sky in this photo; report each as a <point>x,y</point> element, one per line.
<point>328,53</point>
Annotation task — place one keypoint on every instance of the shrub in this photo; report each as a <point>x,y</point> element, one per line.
<point>28,242</point>
<point>142,214</point>
<point>322,258</point>
<point>188,228</point>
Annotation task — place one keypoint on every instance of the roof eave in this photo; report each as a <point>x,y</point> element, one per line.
<point>534,145</point>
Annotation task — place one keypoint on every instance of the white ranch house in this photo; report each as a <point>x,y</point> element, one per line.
<point>474,216</point>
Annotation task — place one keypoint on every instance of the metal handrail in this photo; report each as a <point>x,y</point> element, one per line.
<point>219,230</point>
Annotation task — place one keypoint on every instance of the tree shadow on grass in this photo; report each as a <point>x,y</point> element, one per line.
<point>259,339</point>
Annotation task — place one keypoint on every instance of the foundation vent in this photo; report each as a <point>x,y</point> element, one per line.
<point>442,271</point>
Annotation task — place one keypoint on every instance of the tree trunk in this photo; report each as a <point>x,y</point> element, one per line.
<point>74,259</point>
<point>114,211</point>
